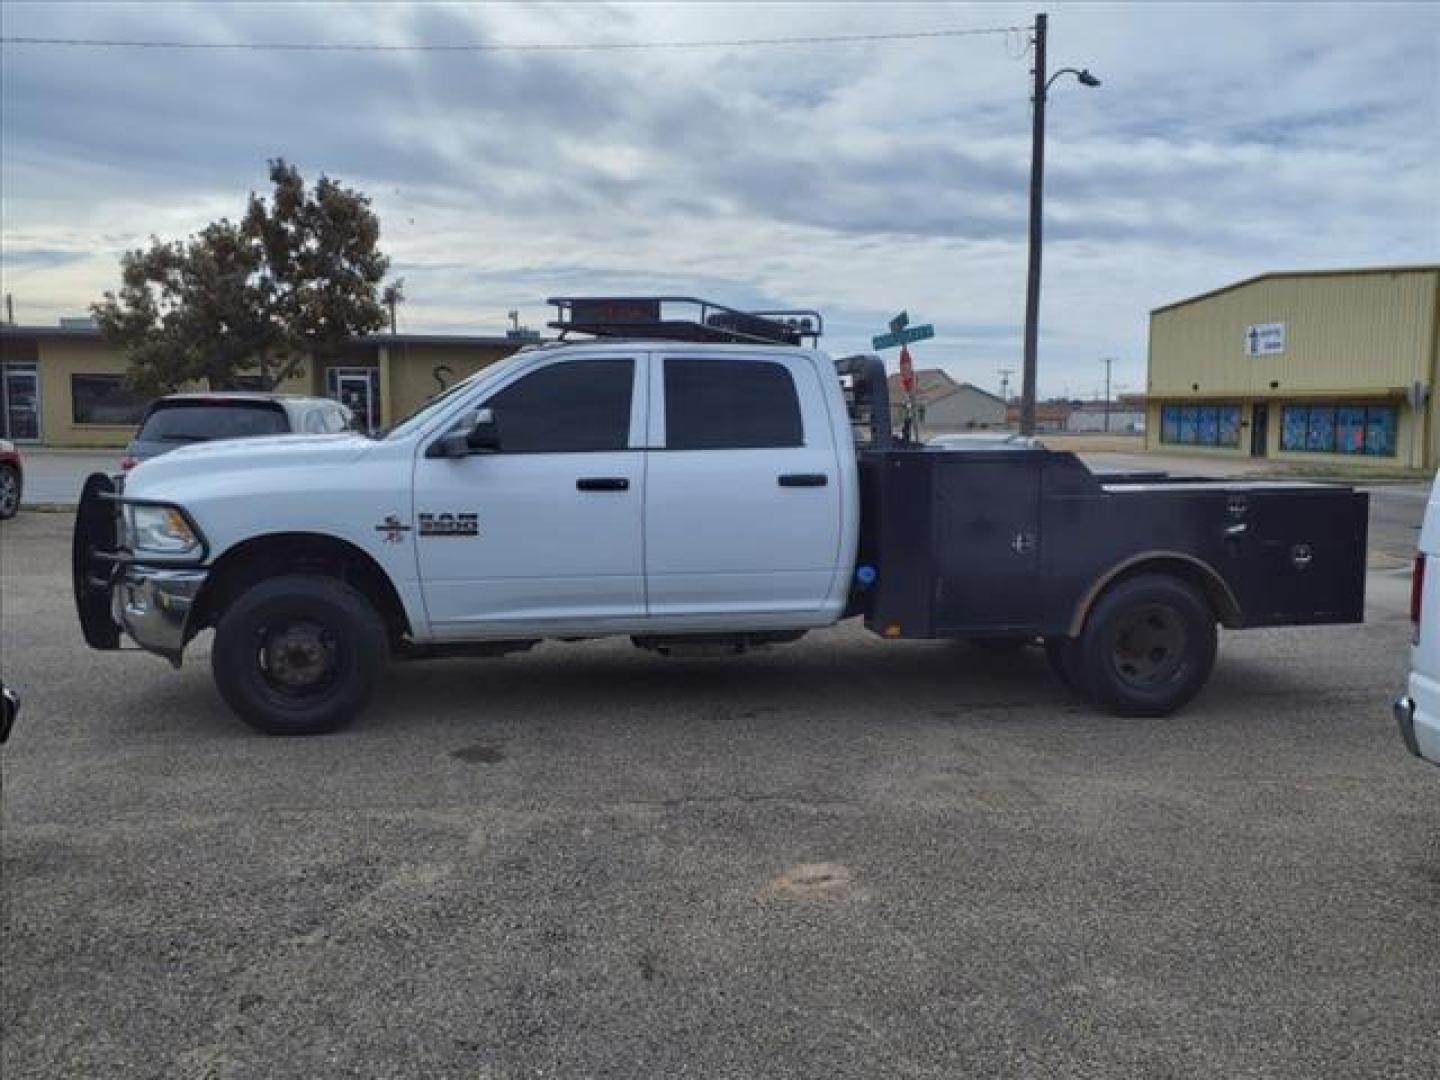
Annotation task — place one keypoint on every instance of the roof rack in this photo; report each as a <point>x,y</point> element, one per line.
<point>681,318</point>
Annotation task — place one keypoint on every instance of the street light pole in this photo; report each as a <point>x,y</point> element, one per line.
<point>1107,362</point>
<point>1037,200</point>
<point>1032,277</point>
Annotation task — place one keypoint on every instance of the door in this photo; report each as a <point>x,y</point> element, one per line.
<point>355,389</point>
<point>987,542</point>
<point>545,532</point>
<point>1259,429</point>
<point>742,510</point>
<point>22,402</point>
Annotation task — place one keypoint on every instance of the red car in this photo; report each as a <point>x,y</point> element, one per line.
<point>12,479</point>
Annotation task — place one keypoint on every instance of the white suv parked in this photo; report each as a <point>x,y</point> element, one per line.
<point>1418,710</point>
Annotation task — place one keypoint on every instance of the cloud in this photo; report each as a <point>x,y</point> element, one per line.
<point>859,179</point>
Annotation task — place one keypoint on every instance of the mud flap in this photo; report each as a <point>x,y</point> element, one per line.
<point>92,561</point>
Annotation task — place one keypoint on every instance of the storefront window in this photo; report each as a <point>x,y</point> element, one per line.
<point>105,399</point>
<point>1200,425</point>
<point>1339,429</point>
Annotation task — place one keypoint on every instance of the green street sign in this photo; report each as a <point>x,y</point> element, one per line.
<point>903,337</point>
<point>899,322</point>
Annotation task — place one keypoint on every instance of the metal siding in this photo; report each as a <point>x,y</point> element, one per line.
<point>1345,333</point>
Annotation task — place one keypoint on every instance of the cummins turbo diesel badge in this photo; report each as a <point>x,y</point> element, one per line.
<point>449,524</point>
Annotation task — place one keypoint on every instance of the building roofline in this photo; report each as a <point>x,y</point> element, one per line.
<point>453,340</point>
<point>1358,271</point>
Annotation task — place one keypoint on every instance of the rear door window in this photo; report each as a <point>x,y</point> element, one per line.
<point>202,421</point>
<point>730,403</point>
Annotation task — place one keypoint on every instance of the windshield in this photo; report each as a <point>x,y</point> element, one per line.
<point>201,421</point>
<point>427,408</point>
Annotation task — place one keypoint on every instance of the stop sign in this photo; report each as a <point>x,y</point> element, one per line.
<point>907,371</point>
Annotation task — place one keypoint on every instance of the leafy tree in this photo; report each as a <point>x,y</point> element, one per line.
<point>296,276</point>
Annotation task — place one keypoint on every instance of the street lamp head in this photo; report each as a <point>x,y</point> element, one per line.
<point>1086,79</point>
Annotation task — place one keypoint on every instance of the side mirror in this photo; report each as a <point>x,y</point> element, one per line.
<point>479,435</point>
<point>484,434</point>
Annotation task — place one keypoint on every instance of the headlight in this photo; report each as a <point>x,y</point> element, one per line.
<point>162,530</point>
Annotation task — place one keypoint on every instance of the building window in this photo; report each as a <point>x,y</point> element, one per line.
<point>105,399</point>
<point>1200,425</point>
<point>1346,428</point>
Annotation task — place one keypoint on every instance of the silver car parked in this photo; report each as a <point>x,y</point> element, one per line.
<point>180,419</point>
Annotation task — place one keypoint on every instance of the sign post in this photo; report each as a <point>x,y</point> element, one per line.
<point>901,334</point>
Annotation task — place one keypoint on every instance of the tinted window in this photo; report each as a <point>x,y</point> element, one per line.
<point>105,399</point>
<point>717,404</point>
<point>200,421</point>
<point>567,408</point>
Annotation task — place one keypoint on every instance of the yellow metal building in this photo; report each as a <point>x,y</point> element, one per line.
<point>64,386</point>
<point>1333,367</point>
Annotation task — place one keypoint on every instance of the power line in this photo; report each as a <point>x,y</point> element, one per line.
<point>475,47</point>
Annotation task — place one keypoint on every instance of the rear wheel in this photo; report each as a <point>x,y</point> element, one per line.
<point>1148,646</point>
<point>299,655</point>
<point>9,491</point>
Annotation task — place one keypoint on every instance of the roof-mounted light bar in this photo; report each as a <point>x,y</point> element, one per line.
<point>681,318</point>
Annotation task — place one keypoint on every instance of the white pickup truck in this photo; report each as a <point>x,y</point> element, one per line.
<point>703,483</point>
<point>1418,709</point>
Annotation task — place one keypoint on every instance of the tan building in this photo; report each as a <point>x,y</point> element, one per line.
<point>64,386</point>
<point>1337,367</point>
<point>946,407</point>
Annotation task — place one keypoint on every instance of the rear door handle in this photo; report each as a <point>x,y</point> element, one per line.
<point>602,483</point>
<point>804,479</point>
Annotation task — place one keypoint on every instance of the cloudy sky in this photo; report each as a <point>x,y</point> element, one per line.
<point>857,178</point>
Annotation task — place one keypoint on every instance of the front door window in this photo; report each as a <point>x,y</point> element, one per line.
<point>21,391</point>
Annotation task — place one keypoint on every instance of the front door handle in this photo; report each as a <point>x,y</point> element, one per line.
<point>804,479</point>
<point>602,483</point>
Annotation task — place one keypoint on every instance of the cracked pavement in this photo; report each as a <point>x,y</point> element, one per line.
<point>840,858</point>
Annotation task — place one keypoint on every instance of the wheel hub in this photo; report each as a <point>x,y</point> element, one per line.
<point>1149,646</point>
<point>299,658</point>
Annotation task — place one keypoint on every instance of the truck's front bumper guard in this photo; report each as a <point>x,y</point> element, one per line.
<point>152,604</point>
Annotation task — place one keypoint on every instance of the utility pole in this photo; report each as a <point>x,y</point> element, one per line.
<point>9,309</point>
<point>392,297</point>
<point>1037,200</point>
<point>1107,362</point>
<point>1005,373</point>
<point>1032,277</point>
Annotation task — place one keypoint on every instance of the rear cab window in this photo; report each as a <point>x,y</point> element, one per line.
<point>203,420</point>
<point>730,403</point>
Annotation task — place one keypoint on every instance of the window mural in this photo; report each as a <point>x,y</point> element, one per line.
<point>1346,428</point>
<point>1200,425</point>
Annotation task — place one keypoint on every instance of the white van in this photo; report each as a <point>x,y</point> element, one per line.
<point>1418,710</point>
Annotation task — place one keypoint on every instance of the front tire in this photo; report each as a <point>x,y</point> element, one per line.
<point>1148,646</point>
<point>299,655</point>
<point>9,492</point>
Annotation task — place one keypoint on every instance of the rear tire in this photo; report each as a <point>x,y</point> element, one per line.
<point>1148,646</point>
<point>9,492</point>
<point>299,655</point>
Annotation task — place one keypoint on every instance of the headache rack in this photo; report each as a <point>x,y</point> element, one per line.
<point>681,318</point>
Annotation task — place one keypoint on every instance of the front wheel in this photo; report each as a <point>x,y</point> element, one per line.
<point>9,491</point>
<point>299,655</point>
<point>1148,646</point>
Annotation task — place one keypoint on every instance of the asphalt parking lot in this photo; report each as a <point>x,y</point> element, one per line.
<point>843,858</point>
